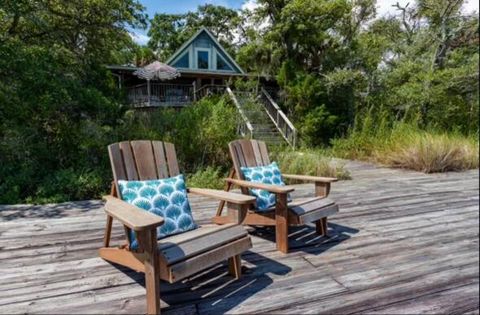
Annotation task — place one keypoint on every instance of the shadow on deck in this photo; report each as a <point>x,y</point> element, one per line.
<point>402,242</point>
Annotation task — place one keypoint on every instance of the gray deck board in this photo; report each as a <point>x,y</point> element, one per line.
<point>403,242</point>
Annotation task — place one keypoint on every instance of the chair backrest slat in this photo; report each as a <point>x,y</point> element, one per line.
<point>116,160</point>
<point>160,160</point>
<point>171,159</point>
<point>128,160</point>
<point>248,153</point>
<point>237,155</point>
<point>256,153</point>
<point>264,152</point>
<point>144,160</point>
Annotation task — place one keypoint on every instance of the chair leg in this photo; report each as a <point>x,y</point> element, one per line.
<point>321,227</point>
<point>281,223</point>
<point>235,266</point>
<point>152,270</point>
<point>108,231</point>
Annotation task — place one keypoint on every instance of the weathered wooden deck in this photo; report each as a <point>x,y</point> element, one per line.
<point>404,242</point>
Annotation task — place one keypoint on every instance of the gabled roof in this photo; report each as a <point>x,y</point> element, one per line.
<point>215,41</point>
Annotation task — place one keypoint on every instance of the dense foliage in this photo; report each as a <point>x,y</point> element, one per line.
<point>169,31</point>
<point>58,105</point>
<point>334,60</point>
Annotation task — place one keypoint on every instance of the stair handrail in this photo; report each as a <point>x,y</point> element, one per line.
<point>290,133</point>
<point>242,114</point>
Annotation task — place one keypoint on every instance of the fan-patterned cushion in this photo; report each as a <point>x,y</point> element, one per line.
<point>269,174</point>
<point>164,197</point>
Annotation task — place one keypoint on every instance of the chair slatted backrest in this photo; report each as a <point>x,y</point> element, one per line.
<point>248,153</point>
<point>142,160</point>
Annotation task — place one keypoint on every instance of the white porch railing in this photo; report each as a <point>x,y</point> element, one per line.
<point>208,90</point>
<point>281,121</point>
<point>160,94</point>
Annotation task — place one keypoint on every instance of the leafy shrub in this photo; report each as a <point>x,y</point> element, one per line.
<point>309,162</point>
<point>200,132</point>
<point>210,177</point>
<point>318,126</point>
<point>69,184</point>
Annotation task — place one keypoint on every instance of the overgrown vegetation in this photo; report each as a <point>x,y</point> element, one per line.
<point>209,177</point>
<point>400,90</point>
<point>405,145</point>
<point>310,162</point>
<point>335,59</point>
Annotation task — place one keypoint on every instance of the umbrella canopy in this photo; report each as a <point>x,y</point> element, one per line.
<point>157,71</point>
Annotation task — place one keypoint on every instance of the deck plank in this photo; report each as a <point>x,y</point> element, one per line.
<point>403,242</point>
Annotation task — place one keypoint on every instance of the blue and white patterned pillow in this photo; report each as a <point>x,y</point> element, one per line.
<point>269,174</point>
<point>164,197</point>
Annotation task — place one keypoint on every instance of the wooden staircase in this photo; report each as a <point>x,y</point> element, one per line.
<point>264,119</point>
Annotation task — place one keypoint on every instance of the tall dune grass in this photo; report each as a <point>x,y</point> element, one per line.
<point>430,153</point>
<point>309,162</point>
<point>404,145</point>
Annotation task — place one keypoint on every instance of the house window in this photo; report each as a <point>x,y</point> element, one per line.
<point>202,59</point>
<point>183,62</point>
<point>222,64</point>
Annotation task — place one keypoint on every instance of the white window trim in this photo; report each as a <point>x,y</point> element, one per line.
<point>209,51</point>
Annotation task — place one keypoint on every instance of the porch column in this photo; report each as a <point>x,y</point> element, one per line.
<point>194,91</point>
<point>148,91</point>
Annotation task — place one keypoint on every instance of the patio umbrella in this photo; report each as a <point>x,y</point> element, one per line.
<point>156,71</point>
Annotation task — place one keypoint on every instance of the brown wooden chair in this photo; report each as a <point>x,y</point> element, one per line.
<point>248,153</point>
<point>176,257</point>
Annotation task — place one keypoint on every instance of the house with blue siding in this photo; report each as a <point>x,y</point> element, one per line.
<point>205,67</point>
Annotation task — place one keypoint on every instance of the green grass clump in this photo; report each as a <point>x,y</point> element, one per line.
<point>431,153</point>
<point>310,162</point>
<point>404,145</point>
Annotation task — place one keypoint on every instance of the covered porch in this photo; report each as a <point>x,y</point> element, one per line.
<point>179,92</point>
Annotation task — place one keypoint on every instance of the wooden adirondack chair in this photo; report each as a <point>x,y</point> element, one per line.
<point>247,153</point>
<point>176,257</point>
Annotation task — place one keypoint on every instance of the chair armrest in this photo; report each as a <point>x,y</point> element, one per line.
<point>223,195</point>
<point>311,178</point>
<point>135,218</point>
<point>276,189</point>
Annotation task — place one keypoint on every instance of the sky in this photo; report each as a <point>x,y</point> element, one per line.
<point>384,7</point>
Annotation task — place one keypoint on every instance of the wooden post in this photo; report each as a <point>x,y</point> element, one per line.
<point>152,270</point>
<point>281,223</point>
<point>236,212</point>
<point>322,190</point>
<point>235,266</point>
<point>148,91</point>
<point>108,231</point>
<point>226,187</point>
<point>194,91</point>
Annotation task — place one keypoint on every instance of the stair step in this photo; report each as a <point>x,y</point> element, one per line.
<point>263,127</point>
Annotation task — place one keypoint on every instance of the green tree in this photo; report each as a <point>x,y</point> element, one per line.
<point>169,31</point>
<point>58,104</point>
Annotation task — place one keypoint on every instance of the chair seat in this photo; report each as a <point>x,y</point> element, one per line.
<point>177,248</point>
<point>311,209</point>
